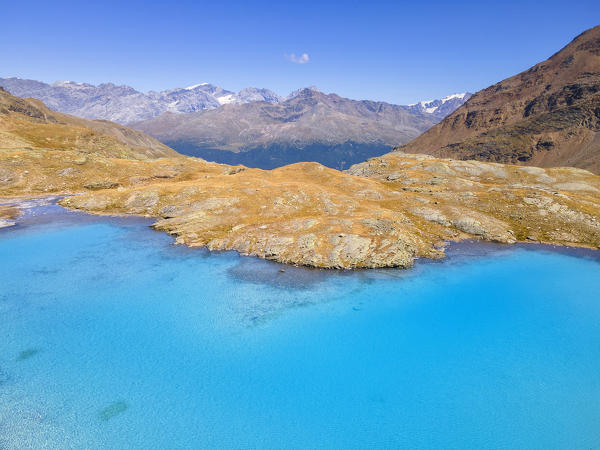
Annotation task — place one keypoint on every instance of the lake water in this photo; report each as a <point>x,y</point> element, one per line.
<point>112,337</point>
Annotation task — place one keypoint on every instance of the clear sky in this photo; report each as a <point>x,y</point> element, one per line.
<point>396,51</point>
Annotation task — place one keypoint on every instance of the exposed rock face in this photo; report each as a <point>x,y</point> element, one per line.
<point>546,116</point>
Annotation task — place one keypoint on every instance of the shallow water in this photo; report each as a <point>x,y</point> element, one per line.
<point>111,337</point>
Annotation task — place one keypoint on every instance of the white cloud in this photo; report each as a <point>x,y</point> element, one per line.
<point>300,59</point>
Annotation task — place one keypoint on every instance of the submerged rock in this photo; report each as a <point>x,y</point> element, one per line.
<point>4,376</point>
<point>112,410</point>
<point>28,353</point>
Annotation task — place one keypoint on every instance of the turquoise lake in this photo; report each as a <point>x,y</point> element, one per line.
<point>112,337</point>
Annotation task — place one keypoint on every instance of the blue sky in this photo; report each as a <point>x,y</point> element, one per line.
<point>400,52</point>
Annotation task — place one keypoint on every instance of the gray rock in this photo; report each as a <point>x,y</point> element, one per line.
<point>431,215</point>
<point>349,250</point>
<point>68,172</point>
<point>576,186</point>
<point>470,225</point>
<point>141,200</point>
<point>7,176</point>
<point>99,185</point>
<point>5,223</point>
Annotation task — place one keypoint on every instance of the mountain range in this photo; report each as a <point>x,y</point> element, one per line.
<point>254,127</point>
<point>307,126</point>
<point>548,115</point>
<point>124,104</point>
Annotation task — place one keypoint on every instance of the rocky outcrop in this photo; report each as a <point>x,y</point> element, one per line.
<point>385,212</point>
<point>311,215</point>
<point>5,223</point>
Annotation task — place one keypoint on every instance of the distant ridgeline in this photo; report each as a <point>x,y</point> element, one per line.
<point>254,127</point>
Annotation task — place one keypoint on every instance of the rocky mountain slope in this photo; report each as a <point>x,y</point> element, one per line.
<point>123,104</point>
<point>547,116</point>
<point>308,126</point>
<point>28,124</point>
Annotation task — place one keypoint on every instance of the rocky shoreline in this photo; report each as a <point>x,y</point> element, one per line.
<point>47,210</point>
<point>386,212</point>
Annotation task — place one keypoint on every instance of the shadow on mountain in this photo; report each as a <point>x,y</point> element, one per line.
<point>336,156</point>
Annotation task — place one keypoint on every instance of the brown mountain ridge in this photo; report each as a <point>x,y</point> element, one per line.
<point>26,123</point>
<point>547,116</point>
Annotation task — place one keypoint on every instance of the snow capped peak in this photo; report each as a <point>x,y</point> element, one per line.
<point>450,97</point>
<point>124,104</point>
<point>442,106</point>
<point>69,84</point>
<point>190,88</point>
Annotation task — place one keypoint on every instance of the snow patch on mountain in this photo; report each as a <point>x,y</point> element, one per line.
<point>225,99</point>
<point>191,88</point>
<point>441,107</point>
<point>459,96</point>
